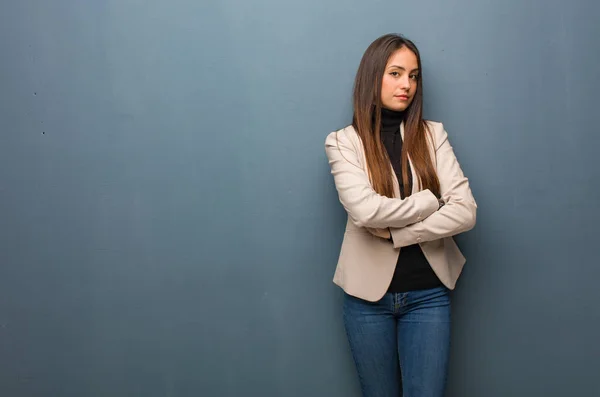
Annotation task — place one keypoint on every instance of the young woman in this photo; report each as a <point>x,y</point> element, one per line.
<point>406,196</point>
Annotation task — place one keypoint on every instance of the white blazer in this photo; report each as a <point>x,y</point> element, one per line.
<point>367,260</point>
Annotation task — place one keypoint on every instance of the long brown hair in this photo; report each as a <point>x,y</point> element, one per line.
<point>367,121</point>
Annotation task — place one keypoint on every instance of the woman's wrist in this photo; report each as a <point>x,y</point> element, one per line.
<point>441,204</point>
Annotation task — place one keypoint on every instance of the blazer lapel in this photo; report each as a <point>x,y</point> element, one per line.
<point>412,167</point>
<point>395,180</point>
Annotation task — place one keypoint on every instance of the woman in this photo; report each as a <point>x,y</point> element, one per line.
<point>406,196</point>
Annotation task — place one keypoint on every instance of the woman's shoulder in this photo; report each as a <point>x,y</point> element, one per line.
<point>436,127</point>
<point>437,132</point>
<point>347,133</point>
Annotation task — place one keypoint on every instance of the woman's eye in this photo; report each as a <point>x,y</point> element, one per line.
<point>414,76</point>
<point>395,74</point>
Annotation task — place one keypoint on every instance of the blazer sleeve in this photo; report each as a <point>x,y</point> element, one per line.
<point>459,213</point>
<point>365,207</point>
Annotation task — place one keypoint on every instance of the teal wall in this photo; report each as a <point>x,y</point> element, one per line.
<point>169,226</point>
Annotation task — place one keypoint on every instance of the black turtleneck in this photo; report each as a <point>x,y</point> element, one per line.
<point>413,271</point>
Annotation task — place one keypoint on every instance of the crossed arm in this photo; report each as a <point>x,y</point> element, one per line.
<point>415,219</point>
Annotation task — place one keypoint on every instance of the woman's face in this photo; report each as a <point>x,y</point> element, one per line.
<point>400,79</point>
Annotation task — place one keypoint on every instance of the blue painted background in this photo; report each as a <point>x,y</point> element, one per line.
<point>169,226</point>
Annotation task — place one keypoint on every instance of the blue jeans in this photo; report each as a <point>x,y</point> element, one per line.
<point>401,343</point>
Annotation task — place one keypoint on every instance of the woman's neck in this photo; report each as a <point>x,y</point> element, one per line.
<point>391,119</point>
